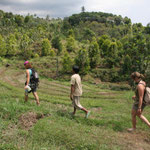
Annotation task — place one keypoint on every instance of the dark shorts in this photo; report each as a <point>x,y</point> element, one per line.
<point>136,106</point>
<point>33,87</point>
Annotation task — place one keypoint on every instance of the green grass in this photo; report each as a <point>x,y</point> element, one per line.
<point>105,129</point>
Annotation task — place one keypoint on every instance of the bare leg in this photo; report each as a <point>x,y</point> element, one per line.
<point>133,114</point>
<point>74,111</point>
<point>26,97</point>
<point>144,119</point>
<point>36,98</point>
<point>85,110</point>
<point>133,118</point>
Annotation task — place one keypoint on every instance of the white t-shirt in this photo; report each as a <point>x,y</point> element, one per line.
<point>76,81</point>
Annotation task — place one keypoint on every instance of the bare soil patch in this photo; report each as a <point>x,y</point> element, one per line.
<point>27,120</point>
<point>137,140</point>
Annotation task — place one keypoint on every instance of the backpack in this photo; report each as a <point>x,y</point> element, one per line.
<point>34,79</point>
<point>147,95</point>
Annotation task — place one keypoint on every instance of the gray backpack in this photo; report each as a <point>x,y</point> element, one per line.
<point>147,95</point>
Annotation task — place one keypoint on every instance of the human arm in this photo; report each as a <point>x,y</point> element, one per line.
<point>71,92</point>
<point>28,78</point>
<point>73,80</point>
<point>133,97</point>
<point>141,89</point>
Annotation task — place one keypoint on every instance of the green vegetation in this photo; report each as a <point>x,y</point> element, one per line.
<point>111,42</point>
<point>106,47</point>
<point>25,126</point>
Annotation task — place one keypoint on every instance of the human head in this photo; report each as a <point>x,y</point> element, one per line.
<point>75,69</point>
<point>27,65</point>
<point>137,76</point>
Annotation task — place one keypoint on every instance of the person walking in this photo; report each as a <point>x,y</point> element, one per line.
<point>29,86</point>
<point>76,91</point>
<point>139,103</point>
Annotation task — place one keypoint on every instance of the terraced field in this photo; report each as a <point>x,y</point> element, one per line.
<point>25,126</point>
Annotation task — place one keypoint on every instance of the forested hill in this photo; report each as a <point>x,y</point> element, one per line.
<point>100,23</point>
<point>104,45</point>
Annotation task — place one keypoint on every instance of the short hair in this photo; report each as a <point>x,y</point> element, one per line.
<point>75,68</point>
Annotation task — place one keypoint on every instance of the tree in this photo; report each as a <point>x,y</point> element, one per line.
<point>101,39</point>
<point>71,33</point>
<point>118,20</point>
<point>88,34</point>
<point>70,45</point>
<point>12,47</point>
<point>147,28</point>
<point>94,53</point>
<point>24,46</point>
<point>127,63</point>
<point>27,19</point>
<point>105,48</point>
<point>82,9</point>
<point>82,60</point>
<point>52,53</point>
<point>137,47</point>
<point>19,20</point>
<point>112,55</point>
<point>2,46</point>
<point>66,63</point>
<point>57,44</point>
<point>46,47</point>
<point>47,17</point>
<point>1,14</point>
<point>127,20</point>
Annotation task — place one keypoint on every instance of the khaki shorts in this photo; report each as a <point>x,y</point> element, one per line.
<point>76,102</point>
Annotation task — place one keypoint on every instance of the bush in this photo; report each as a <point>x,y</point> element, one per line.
<point>107,75</point>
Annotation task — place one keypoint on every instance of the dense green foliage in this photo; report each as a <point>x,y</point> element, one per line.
<point>110,42</point>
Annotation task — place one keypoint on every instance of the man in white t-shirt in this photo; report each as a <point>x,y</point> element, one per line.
<point>76,91</point>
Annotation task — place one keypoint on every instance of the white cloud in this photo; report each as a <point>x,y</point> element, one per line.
<point>137,10</point>
<point>54,8</point>
<point>134,9</point>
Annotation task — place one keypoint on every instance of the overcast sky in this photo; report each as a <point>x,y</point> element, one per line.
<point>137,10</point>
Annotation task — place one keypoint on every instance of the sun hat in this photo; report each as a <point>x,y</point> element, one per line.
<point>26,62</point>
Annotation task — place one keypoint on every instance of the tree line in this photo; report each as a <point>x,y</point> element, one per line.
<point>107,46</point>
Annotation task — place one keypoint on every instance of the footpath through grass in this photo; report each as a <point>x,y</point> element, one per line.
<point>24,126</point>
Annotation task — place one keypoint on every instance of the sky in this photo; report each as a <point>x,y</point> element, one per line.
<point>137,10</point>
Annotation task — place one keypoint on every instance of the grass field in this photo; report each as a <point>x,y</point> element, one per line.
<point>25,126</point>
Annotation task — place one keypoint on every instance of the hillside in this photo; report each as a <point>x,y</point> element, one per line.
<point>24,126</point>
<point>106,46</point>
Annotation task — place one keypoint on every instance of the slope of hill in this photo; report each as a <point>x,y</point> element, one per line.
<point>24,126</point>
<point>108,46</point>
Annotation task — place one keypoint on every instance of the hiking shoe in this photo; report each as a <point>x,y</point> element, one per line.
<point>131,129</point>
<point>87,114</point>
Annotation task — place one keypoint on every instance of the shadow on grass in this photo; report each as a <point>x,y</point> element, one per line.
<point>115,125</point>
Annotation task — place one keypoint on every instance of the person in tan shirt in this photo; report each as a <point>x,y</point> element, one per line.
<point>76,91</point>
